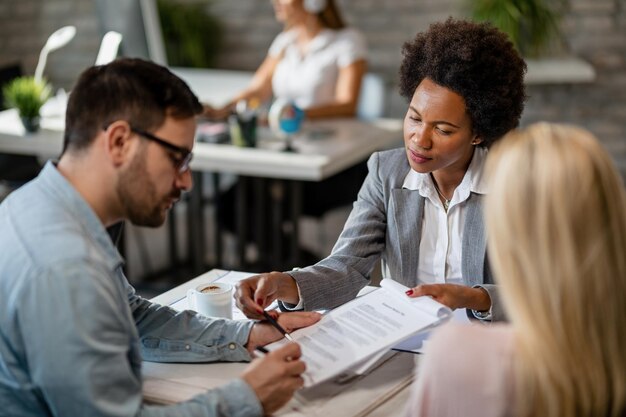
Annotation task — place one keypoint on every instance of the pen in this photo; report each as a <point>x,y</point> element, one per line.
<point>260,351</point>
<point>277,326</point>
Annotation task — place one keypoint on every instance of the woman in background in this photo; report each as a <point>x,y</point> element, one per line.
<point>556,223</point>
<point>316,62</point>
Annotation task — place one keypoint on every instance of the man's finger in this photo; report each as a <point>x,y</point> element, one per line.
<point>273,314</point>
<point>295,368</point>
<point>290,351</point>
<point>296,383</point>
<point>297,320</point>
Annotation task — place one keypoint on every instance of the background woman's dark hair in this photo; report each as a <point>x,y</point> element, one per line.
<point>141,92</point>
<point>476,61</point>
<point>330,16</point>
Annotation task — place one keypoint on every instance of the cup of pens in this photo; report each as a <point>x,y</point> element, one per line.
<point>243,122</point>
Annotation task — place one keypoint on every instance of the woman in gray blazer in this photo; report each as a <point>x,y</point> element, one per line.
<point>420,207</point>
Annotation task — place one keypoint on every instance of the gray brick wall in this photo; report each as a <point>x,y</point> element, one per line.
<point>26,24</point>
<point>592,29</point>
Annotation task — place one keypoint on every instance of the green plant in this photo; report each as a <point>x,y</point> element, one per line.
<point>192,35</point>
<point>530,24</point>
<point>27,95</point>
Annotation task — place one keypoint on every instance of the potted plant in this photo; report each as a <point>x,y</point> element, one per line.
<point>191,33</point>
<point>531,24</point>
<point>27,95</point>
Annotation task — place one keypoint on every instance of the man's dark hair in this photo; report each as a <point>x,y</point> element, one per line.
<point>476,61</point>
<point>141,92</point>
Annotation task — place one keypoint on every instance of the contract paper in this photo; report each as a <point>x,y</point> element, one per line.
<point>354,332</point>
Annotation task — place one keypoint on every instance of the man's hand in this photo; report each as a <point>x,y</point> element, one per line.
<point>263,333</point>
<point>454,296</point>
<point>275,377</point>
<point>255,293</point>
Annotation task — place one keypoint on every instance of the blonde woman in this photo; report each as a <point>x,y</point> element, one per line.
<point>556,224</point>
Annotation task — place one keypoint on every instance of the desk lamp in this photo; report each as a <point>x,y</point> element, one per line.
<point>57,40</point>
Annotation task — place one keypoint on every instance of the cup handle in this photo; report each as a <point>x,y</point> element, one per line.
<point>191,299</point>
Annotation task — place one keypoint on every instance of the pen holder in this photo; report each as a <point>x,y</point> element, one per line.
<point>243,130</point>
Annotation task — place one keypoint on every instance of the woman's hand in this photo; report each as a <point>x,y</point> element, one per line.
<point>454,295</point>
<point>255,293</point>
<point>212,113</point>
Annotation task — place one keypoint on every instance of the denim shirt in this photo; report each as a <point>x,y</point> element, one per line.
<point>73,332</point>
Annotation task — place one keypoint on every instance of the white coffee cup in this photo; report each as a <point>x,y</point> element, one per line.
<point>212,299</point>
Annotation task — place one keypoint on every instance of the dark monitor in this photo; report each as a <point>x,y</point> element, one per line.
<point>138,22</point>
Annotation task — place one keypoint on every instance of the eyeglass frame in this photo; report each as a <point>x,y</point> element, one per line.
<point>181,165</point>
<point>186,155</point>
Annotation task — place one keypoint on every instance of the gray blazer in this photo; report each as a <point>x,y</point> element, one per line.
<point>386,223</point>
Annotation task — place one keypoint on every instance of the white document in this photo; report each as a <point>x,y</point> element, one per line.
<point>416,343</point>
<point>354,332</point>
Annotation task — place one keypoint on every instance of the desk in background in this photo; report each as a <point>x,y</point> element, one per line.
<point>344,144</point>
<point>329,147</point>
<point>381,393</point>
<point>324,148</point>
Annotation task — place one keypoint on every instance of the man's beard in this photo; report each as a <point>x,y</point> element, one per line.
<point>138,195</point>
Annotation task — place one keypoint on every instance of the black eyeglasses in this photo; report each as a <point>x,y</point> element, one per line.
<point>180,159</point>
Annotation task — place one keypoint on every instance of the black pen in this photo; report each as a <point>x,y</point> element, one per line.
<point>260,351</point>
<point>277,326</point>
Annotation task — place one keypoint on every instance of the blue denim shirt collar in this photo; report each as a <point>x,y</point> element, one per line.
<point>69,197</point>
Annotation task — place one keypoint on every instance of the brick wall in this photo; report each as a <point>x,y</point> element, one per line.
<point>592,29</point>
<point>26,24</point>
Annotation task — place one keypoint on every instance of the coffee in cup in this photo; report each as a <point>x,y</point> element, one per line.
<point>212,299</point>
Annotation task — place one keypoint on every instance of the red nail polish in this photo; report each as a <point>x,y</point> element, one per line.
<point>409,292</point>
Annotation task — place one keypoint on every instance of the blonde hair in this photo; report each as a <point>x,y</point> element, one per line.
<point>556,224</point>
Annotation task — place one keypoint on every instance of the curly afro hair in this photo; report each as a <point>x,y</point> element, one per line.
<point>476,61</point>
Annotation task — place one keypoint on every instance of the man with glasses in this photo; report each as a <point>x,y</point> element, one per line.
<point>73,332</point>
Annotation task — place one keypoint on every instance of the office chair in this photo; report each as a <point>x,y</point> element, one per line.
<point>371,103</point>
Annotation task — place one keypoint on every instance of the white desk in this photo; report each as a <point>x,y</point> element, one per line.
<point>383,392</point>
<point>345,142</point>
<point>324,148</point>
<point>45,143</point>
